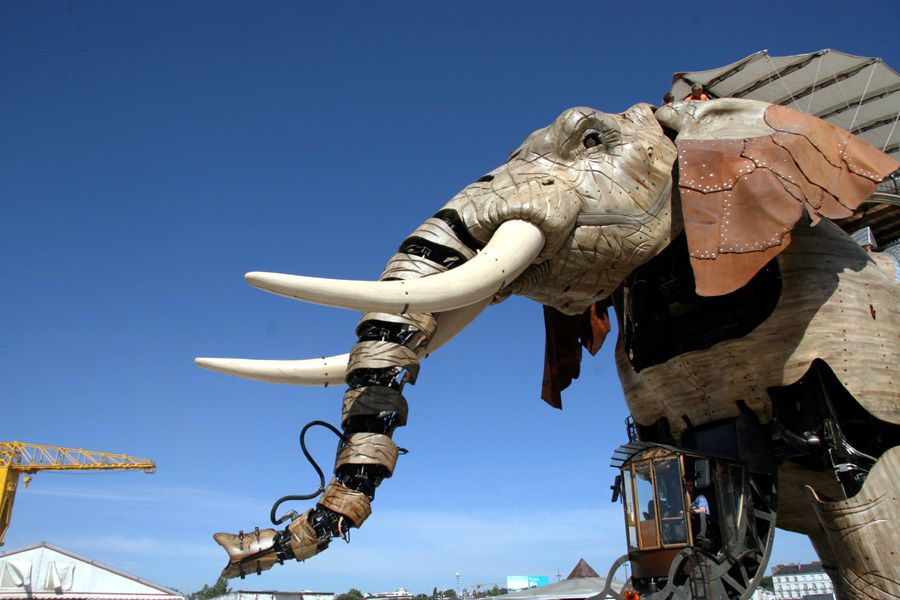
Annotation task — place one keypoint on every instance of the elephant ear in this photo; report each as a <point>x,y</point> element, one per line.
<point>742,197</point>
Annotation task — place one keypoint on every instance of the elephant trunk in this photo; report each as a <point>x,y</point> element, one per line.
<point>439,267</point>
<point>470,253</point>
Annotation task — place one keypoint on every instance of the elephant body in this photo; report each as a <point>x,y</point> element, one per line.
<point>706,225</point>
<point>838,303</point>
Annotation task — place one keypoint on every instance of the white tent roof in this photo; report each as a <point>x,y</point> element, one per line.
<point>44,571</point>
<point>853,92</point>
<point>567,589</point>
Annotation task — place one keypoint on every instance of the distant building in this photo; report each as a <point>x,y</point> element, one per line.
<point>275,595</point>
<point>398,594</point>
<point>807,581</point>
<point>44,572</point>
<point>763,594</point>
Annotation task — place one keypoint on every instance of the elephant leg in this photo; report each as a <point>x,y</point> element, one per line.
<point>863,533</point>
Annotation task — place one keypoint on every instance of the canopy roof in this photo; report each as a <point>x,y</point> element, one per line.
<point>567,589</point>
<point>581,583</point>
<point>856,93</point>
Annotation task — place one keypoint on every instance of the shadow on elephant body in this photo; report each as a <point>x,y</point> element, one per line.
<point>827,282</point>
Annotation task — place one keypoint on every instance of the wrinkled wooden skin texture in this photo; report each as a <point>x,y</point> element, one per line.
<point>866,523</point>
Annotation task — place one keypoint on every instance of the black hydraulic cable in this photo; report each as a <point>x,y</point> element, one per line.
<point>315,465</point>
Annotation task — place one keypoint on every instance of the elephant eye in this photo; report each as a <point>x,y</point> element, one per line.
<point>591,139</point>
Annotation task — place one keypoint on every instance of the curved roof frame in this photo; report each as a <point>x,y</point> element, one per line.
<point>856,93</point>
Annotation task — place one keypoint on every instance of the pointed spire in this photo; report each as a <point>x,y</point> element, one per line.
<point>582,569</point>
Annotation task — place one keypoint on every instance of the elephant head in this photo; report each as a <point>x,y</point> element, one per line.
<point>572,212</point>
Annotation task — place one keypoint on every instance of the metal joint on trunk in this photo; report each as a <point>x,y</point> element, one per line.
<point>426,323</point>
<point>439,232</point>
<point>374,401</point>
<point>384,355</point>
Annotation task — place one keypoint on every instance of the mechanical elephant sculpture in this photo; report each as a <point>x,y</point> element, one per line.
<point>744,313</point>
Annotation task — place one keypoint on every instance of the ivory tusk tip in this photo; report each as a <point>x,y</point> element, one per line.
<point>254,277</point>
<point>208,363</point>
<point>275,283</point>
<point>329,370</point>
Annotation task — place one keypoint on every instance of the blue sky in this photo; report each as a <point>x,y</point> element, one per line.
<point>150,154</point>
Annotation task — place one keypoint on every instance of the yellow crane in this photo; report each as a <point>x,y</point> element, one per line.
<point>18,457</point>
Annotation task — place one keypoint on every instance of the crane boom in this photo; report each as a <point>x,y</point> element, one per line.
<point>29,458</point>
<point>20,457</point>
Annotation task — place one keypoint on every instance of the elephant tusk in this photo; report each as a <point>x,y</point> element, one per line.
<point>509,252</point>
<point>324,371</point>
<point>331,370</point>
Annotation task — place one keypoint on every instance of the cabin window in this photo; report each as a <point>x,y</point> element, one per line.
<point>630,512</point>
<point>670,498</point>
<point>646,506</point>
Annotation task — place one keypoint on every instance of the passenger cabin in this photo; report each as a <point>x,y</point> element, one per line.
<point>658,486</point>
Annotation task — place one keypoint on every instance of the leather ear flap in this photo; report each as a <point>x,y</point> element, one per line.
<point>742,197</point>
<point>565,336</point>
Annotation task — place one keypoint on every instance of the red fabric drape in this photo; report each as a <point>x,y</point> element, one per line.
<point>565,337</point>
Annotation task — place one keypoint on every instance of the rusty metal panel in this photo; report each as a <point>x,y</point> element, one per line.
<point>711,165</point>
<point>742,197</point>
